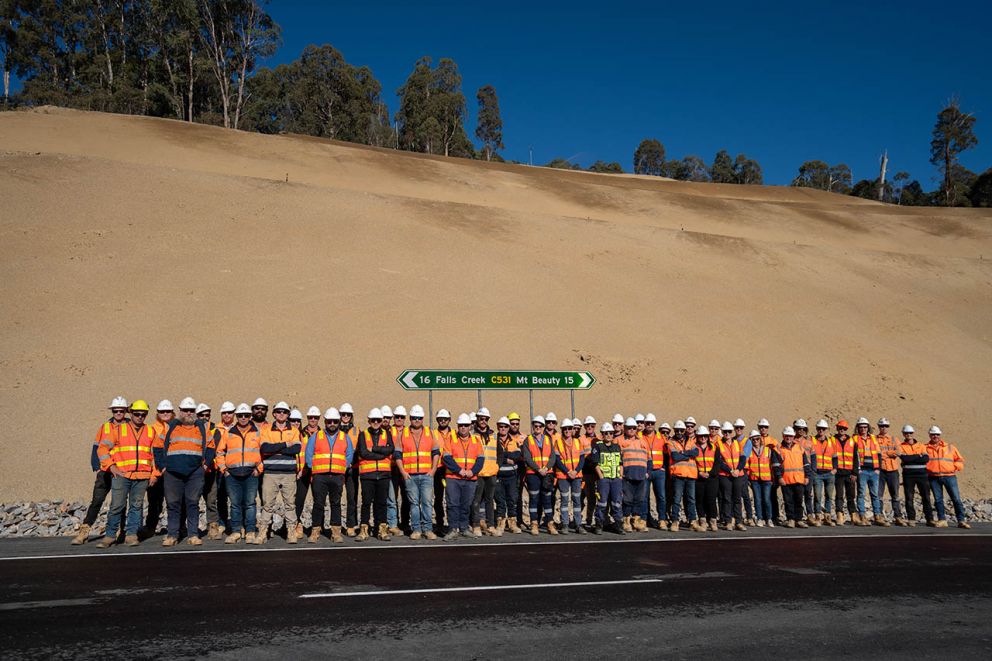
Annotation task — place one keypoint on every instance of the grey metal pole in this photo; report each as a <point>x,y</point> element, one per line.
<point>571,396</point>
<point>531,396</point>
<point>430,407</point>
<point>479,397</point>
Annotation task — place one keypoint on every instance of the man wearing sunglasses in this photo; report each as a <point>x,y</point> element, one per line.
<point>155,493</point>
<point>352,486</point>
<point>259,411</point>
<point>464,459</point>
<point>103,478</point>
<point>539,457</point>
<point>239,458</point>
<point>212,479</point>
<point>443,434</point>
<point>185,452</point>
<point>417,455</point>
<point>280,446</point>
<point>304,473</point>
<point>375,454</point>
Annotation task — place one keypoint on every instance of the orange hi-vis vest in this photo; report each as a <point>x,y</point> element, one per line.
<point>105,438</point>
<point>465,454</point>
<point>634,453</point>
<point>543,453</point>
<point>417,454</point>
<point>656,450</point>
<point>490,467</point>
<point>869,451</point>
<point>793,471</point>
<point>132,452</point>
<point>825,451</point>
<point>888,444</point>
<point>240,455</point>
<point>686,468</point>
<point>705,459</point>
<point>374,465</point>
<point>301,458</point>
<point>330,457</point>
<point>731,453</point>
<point>944,459</point>
<point>570,452</point>
<point>759,464</point>
<point>845,453</point>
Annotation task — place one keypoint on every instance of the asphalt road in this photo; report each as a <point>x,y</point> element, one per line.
<point>877,593</point>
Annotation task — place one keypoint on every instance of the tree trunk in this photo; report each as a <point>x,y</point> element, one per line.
<point>6,84</point>
<point>189,98</point>
<point>241,90</point>
<point>947,175</point>
<point>881,177</point>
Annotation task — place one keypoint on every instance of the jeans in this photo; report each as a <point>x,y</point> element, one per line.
<point>241,495</point>
<point>485,490</point>
<point>823,492</point>
<point>633,496</point>
<point>391,513</point>
<point>846,489</point>
<point>610,498</point>
<point>375,493</point>
<point>918,482</point>
<point>949,482</point>
<point>178,487</point>
<point>868,481</point>
<point>419,491</point>
<point>571,493</point>
<point>460,494</point>
<point>507,495</point>
<point>684,487</point>
<point>101,489</point>
<point>656,484</point>
<point>890,480</point>
<point>129,493</point>
<point>542,500</point>
<point>325,486</point>
<point>746,497</point>
<point>792,495</point>
<point>762,500</point>
<point>808,490</point>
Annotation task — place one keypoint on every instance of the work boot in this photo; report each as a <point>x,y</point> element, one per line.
<point>299,530</point>
<point>383,533</point>
<point>250,537</point>
<point>452,535</point>
<point>909,523</point>
<point>855,519</point>
<point>363,533</point>
<point>813,520</point>
<point>713,526</point>
<point>314,535</point>
<point>931,523</point>
<point>132,540</point>
<point>214,532</point>
<point>674,527</point>
<point>964,524</point>
<point>169,541</point>
<point>514,528</point>
<point>696,527</point>
<point>290,534</point>
<point>233,538</point>
<point>899,521</point>
<point>942,523</point>
<point>580,529</point>
<point>801,524</point>
<point>500,527</point>
<point>430,535</point>
<point>760,524</point>
<point>106,542</point>
<point>596,529</point>
<point>769,523</point>
<point>533,528</point>
<point>262,535</point>
<point>564,530</point>
<point>336,535</point>
<point>468,533</point>
<point>478,531</point>
<point>626,525</point>
<point>395,531</point>
<point>81,536</point>
<point>740,526</point>
<point>790,524</point>
<point>552,529</point>
<point>194,540</point>
<point>663,525</point>
<point>350,532</point>
<point>840,518</point>
<point>484,528</point>
<point>880,521</point>
<point>415,535</point>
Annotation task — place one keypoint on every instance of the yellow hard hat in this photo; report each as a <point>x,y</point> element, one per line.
<point>513,416</point>
<point>139,405</point>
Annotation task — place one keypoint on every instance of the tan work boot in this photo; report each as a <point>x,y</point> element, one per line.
<point>350,532</point>
<point>801,524</point>
<point>363,533</point>
<point>713,526</point>
<point>500,527</point>
<point>106,542</point>
<point>484,528</point>
<point>336,535</point>
<point>909,523</point>
<point>383,532</point>
<point>964,524</point>
<point>533,528</point>
<point>81,536</point>
<point>262,535</point>
<point>941,523</point>
<point>514,528</point>
<point>194,540</point>
<point>813,520</point>
<point>233,538</point>
<point>395,531</point>
<point>478,531</point>
<point>290,534</point>
<point>249,538</point>
<point>855,519</point>
<point>299,530</point>
<point>674,527</point>
<point>739,526</point>
<point>132,540</point>
<point>214,532</point>
<point>626,525</point>
<point>840,519</point>
<point>696,527</point>
<point>641,525</point>
<point>880,521</point>
<point>899,521</point>
<point>790,524</point>
<point>430,535</point>
<point>169,541</point>
<point>314,535</point>
<point>415,535</point>
<point>552,529</point>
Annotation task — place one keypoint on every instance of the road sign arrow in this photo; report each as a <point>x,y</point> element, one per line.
<point>586,380</point>
<point>408,380</point>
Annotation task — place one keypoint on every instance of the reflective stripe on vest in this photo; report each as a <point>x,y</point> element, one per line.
<point>825,451</point>
<point>792,465</point>
<point>759,465</point>
<point>704,462</point>
<point>463,455</point>
<point>687,467</point>
<point>373,465</point>
<point>634,453</point>
<point>869,452</point>
<point>136,457</point>
<point>570,452</point>
<point>731,453</point>
<point>845,453</point>
<point>656,446</point>
<point>327,457</point>
<point>543,453</point>
<point>417,454</point>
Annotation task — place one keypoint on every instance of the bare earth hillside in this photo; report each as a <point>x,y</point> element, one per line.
<point>156,259</point>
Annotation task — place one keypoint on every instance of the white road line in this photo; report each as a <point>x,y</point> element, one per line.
<point>469,546</point>
<point>50,603</point>
<point>477,588</point>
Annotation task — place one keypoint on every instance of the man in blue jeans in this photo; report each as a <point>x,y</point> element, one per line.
<point>417,455</point>
<point>607,458</point>
<point>656,443</point>
<point>942,468</point>
<point>682,453</point>
<point>870,456</point>
<point>185,450</point>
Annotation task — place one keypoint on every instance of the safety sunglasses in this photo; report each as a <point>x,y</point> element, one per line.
<point>313,417</point>
<point>203,415</point>
<point>118,411</point>
<point>244,415</point>
<point>139,414</point>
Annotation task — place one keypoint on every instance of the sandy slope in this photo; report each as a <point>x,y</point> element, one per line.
<point>159,259</point>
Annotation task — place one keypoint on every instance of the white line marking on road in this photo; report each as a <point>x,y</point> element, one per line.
<point>476,545</point>
<point>477,588</point>
<point>802,571</point>
<point>21,605</point>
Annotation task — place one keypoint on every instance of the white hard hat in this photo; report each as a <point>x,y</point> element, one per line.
<point>551,417</point>
<point>590,420</point>
<point>714,423</point>
<point>727,426</point>
<point>665,425</point>
<point>503,421</point>
<point>630,422</point>
<point>187,403</point>
<point>118,403</point>
<point>788,431</point>
<point>538,419</point>
<point>935,430</point>
<point>639,417</point>
<point>375,414</point>
<point>312,411</point>
<point>882,422</point>
<point>386,411</point>
<point>679,424</point>
<point>763,422</point>
<point>400,411</point>
<point>464,419</point>
<point>862,421</point>
<point>261,402</point>
<point>755,434</point>
<point>800,423</point>
<point>165,405</point>
<point>650,417</point>
<point>483,411</point>
<point>332,414</point>
<point>443,413</point>
<point>227,407</point>
<point>822,424</point>
<point>280,405</point>
<point>416,411</point>
<point>576,423</point>
<point>702,431</point>
<point>739,422</point>
<point>618,418</point>
<point>201,407</point>
<point>908,429</point>
<point>690,420</point>
<point>472,416</point>
<point>607,427</point>
<point>296,414</point>
<point>567,422</point>
<point>346,408</point>
<point>243,408</point>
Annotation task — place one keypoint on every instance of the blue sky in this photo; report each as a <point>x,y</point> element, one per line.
<point>781,82</point>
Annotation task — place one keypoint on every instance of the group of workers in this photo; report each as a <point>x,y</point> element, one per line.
<point>398,475</point>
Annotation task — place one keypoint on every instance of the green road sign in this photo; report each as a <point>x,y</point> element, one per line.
<point>494,380</point>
